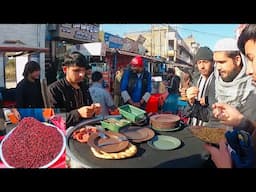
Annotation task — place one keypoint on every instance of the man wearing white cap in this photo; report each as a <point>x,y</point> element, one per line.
<point>232,85</point>
<point>245,157</point>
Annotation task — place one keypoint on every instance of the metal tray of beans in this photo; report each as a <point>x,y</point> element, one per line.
<point>32,144</point>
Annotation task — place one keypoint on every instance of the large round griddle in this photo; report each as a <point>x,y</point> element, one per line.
<point>79,151</point>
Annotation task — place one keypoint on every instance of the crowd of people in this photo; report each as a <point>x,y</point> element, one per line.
<point>242,123</point>
<point>222,93</point>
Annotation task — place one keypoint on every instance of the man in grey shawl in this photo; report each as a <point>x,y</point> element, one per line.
<point>202,96</point>
<point>232,85</point>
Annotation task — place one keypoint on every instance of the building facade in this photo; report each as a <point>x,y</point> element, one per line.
<point>165,42</point>
<point>60,37</point>
<point>22,42</point>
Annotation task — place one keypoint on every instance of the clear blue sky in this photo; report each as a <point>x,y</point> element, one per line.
<point>205,34</point>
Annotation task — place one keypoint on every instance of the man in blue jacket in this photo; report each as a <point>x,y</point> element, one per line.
<point>136,84</point>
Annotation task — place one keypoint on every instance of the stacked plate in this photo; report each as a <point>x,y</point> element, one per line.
<point>137,134</point>
<point>164,122</point>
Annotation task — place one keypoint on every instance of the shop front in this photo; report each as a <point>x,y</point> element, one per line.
<point>98,57</point>
<point>60,38</point>
<point>21,53</point>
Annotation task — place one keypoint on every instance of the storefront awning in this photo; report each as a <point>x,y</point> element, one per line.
<point>19,46</point>
<point>90,49</point>
<point>135,54</point>
<point>179,65</point>
<point>4,48</point>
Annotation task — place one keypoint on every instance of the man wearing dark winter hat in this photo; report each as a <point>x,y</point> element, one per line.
<point>202,96</point>
<point>204,53</point>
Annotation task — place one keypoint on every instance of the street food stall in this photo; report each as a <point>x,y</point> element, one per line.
<point>160,142</point>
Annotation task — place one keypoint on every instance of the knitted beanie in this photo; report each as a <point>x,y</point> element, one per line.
<point>204,53</point>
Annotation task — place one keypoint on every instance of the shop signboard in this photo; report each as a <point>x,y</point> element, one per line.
<point>141,39</point>
<point>80,32</point>
<point>113,41</point>
<point>2,63</point>
<point>130,45</point>
<point>141,49</point>
<point>90,49</point>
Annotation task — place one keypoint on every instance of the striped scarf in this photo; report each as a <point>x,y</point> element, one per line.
<point>203,91</point>
<point>203,85</point>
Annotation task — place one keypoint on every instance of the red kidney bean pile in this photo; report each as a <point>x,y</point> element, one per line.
<point>32,144</point>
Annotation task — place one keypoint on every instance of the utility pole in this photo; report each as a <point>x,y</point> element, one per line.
<point>151,52</point>
<point>160,48</point>
<point>154,42</point>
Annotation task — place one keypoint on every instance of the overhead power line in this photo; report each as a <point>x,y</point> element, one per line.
<point>203,32</point>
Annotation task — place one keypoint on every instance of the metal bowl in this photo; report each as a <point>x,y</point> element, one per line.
<point>46,165</point>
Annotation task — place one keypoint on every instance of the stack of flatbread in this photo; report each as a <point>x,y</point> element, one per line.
<point>116,145</point>
<point>128,152</point>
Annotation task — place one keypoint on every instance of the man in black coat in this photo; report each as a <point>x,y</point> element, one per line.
<point>28,90</point>
<point>71,92</point>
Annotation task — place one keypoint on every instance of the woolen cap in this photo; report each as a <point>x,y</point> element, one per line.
<point>204,53</point>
